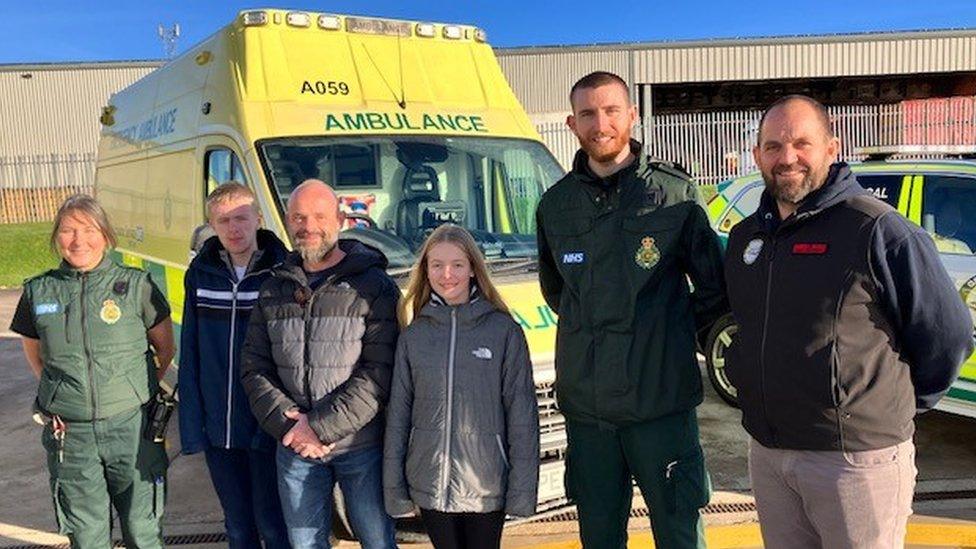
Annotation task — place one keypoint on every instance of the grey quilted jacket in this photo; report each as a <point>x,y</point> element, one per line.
<point>462,430</point>
<point>328,353</point>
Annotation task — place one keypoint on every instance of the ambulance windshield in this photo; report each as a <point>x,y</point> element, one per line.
<point>395,190</point>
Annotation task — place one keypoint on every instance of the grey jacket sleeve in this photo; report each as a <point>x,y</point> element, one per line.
<point>398,427</point>
<point>356,402</point>
<point>934,326</point>
<point>259,376</point>
<point>522,426</point>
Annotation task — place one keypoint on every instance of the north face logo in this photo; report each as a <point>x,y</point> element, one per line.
<point>484,353</point>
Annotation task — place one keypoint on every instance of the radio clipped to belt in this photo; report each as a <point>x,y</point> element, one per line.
<point>159,409</point>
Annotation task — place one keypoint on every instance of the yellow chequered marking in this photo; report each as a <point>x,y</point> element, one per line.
<point>716,206</point>
<point>175,291</point>
<point>132,260</point>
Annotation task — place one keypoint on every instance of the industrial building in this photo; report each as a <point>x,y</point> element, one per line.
<point>699,100</point>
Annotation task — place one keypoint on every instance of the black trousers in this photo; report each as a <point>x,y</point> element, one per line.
<point>464,530</point>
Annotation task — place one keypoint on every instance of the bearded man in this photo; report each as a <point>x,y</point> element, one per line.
<point>316,367</point>
<point>849,325</point>
<point>619,238</point>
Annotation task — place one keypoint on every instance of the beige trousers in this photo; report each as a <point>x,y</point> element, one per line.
<point>833,500</point>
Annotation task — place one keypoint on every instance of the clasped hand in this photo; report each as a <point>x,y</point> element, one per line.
<point>302,439</point>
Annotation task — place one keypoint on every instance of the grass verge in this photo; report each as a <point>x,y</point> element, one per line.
<point>24,252</point>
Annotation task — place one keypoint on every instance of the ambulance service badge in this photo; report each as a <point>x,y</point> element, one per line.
<point>647,255</point>
<point>751,253</point>
<point>110,313</point>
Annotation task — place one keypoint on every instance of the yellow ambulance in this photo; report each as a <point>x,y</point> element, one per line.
<point>412,123</point>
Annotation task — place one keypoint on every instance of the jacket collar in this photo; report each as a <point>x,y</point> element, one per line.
<point>581,168</point>
<point>839,186</point>
<point>214,258</point>
<point>359,258</point>
<point>65,269</point>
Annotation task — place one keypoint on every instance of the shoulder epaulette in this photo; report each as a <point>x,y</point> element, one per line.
<point>671,168</point>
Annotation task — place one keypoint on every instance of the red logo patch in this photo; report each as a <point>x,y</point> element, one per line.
<point>810,248</point>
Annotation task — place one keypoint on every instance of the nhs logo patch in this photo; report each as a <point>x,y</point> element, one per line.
<point>573,258</point>
<point>46,309</point>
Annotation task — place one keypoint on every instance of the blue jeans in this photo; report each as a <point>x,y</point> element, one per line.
<point>306,497</point>
<point>245,482</point>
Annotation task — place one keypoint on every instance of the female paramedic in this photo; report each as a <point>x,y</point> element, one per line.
<point>87,328</point>
<point>462,435</point>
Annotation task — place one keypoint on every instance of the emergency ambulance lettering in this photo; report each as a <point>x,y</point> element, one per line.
<point>377,121</point>
<point>446,122</point>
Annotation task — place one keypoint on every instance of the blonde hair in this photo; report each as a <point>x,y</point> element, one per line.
<point>229,191</point>
<point>90,208</point>
<point>419,290</point>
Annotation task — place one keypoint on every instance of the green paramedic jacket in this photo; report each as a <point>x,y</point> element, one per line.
<point>92,329</point>
<point>615,259</point>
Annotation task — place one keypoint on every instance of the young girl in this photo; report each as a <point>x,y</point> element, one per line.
<point>462,434</point>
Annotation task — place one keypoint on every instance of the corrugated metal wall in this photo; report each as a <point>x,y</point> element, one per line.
<point>542,77</point>
<point>848,57</point>
<point>542,80</point>
<point>49,132</point>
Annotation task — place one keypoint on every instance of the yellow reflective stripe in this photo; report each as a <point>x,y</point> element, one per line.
<point>906,189</point>
<point>915,203</point>
<point>175,292</point>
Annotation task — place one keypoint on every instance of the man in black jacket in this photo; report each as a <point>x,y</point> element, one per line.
<point>619,238</point>
<point>848,324</point>
<point>316,367</point>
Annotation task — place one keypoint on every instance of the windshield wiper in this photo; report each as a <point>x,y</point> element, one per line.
<point>515,264</point>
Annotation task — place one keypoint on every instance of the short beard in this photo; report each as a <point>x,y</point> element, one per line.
<point>622,140</point>
<point>315,254</point>
<point>794,194</point>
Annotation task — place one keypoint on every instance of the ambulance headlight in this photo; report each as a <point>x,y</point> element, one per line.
<point>426,30</point>
<point>330,22</point>
<point>298,19</point>
<point>254,18</point>
<point>480,35</point>
<point>453,32</point>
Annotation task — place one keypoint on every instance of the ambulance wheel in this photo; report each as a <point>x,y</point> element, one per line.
<point>716,347</point>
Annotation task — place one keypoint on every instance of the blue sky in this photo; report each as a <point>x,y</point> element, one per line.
<point>89,30</point>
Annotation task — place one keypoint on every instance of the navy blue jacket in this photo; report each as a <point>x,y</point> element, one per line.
<point>213,406</point>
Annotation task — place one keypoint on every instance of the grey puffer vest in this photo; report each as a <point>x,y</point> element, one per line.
<point>462,426</point>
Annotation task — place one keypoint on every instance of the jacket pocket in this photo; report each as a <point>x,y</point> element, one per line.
<point>47,390</point>
<point>687,485</point>
<point>424,460</point>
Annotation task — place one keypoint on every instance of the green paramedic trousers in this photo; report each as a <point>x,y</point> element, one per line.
<point>106,463</point>
<point>663,455</point>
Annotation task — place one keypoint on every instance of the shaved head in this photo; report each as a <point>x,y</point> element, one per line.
<point>314,189</point>
<point>314,222</point>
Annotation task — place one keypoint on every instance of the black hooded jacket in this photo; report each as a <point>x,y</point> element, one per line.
<point>848,321</point>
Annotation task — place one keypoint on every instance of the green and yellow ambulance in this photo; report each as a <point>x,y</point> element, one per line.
<point>412,123</point>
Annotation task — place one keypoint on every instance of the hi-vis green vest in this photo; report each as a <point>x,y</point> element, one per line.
<point>92,330</point>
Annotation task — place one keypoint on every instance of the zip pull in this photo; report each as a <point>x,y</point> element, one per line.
<point>669,470</point>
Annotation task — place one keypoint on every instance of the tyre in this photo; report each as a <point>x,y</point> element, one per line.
<point>716,346</point>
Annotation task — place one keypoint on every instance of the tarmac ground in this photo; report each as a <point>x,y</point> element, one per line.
<point>945,497</point>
